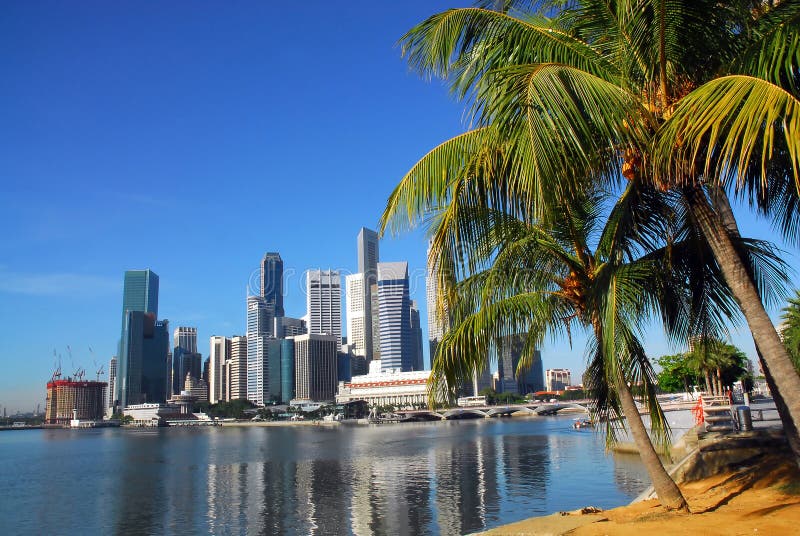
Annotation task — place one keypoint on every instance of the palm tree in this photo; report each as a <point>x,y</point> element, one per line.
<point>694,96</point>
<point>791,328</point>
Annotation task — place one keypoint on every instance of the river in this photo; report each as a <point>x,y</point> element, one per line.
<point>450,477</point>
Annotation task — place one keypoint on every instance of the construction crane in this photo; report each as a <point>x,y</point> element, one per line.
<point>100,371</point>
<point>56,367</point>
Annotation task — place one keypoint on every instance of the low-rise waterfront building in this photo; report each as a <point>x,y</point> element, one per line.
<point>395,388</point>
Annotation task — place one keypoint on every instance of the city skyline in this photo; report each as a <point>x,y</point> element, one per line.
<point>95,159</point>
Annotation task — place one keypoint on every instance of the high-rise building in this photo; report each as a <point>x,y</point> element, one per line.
<point>368,252</point>
<point>272,282</point>
<point>417,357</point>
<point>557,379</point>
<point>532,380</point>
<point>219,354</point>
<point>324,303</point>
<point>286,326</point>
<point>112,380</point>
<point>260,324</point>
<point>287,370</point>
<point>315,367</point>
<point>509,354</point>
<point>139,294</point>
<point>185,358</point>
<point>143,373</point>
<point>375,313</point>
<point>237,369</point>
<point>368,258</point>
<point>356,306</point>
<point>395,316</point>
<point>437,312</point>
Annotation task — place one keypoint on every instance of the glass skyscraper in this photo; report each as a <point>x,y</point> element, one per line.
<point>142,369</point>
<point>368,257</point>
<point>272,281</point>
<point>394,303</point>
<point>140,292</point>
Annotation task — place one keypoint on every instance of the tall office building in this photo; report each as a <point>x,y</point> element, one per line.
<point>112,380</point>
<point>143,373</point>
<point>219,355</point>
<point>185,357</point>
<point>395,316</point>
<point>315,367</point>
<point>287,370</point>
<point>417,357</point>
<point>509,354</point>
<point>237,369</point>
<point>260,323</point>
<point>532,380</point>
<point>272,282</point>
<point>357,319</point>
<point>368,258</point>
<point>142,368</point>
<point>324,303</point>
<point>437,312</point>
<point>140,292</point>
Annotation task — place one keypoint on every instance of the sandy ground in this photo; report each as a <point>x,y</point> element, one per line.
<point>763,499</point>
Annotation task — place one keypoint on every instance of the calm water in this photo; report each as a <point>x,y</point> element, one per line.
<point>426,478</point>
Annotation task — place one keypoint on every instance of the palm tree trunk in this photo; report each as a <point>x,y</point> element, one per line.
<point>722,207</point>
<point>709,387</point>
<point>787,382</point>
<point>667,491</point>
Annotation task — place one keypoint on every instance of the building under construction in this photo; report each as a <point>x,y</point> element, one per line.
<point>87,398</point>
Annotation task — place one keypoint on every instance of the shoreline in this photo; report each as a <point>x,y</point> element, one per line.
<point>737,484</point>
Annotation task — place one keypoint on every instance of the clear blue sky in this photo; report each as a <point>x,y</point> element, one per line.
<point>190,138</point>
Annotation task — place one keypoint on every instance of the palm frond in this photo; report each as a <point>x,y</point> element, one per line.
<point>717,128</point>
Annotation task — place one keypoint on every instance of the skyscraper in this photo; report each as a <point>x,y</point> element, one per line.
<point>287,370</point>
<point>112,380</point>
<point>219,354</point>
<point>272,282</point>
<point>140,292</point>
<point>324,303</point>
<point>185,357</point>
<point>357,319</point>
<point>237,369</point>
<point>437,312</point>
<point>395,316</point>
<point>417,357</point>
<point>259,328</point>
<point>142,369</point>
<point>368,257</point>
<point>315,367</point>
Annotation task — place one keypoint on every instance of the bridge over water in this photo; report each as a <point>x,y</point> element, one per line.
<point>486,412</point>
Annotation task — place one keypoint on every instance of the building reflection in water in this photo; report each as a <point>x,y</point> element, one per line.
<point>459,483</point>
<point>142,479</point>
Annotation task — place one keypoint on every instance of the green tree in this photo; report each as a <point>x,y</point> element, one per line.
<point>791,328</point>
<point>675,374</point>
<point>490,394</point>
<point>698,97</point>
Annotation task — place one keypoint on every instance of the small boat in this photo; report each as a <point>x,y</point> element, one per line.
<point>582,423</point>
